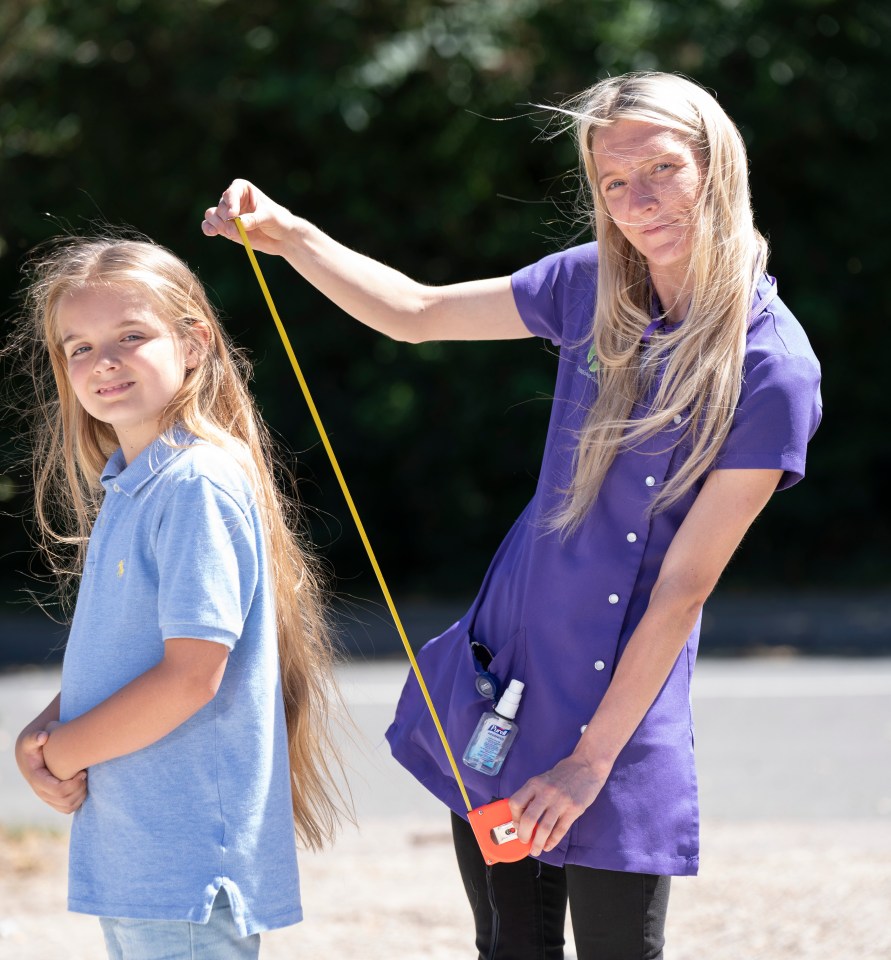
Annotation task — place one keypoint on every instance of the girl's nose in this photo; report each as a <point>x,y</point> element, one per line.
<point>105,358</point>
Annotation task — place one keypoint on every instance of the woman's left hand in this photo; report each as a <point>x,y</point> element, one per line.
<point>555,800</point>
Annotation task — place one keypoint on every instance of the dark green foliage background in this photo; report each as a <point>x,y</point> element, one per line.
<point>405,130</point>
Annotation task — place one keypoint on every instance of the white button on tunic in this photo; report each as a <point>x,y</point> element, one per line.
<point>650,481</point>
<point>631,537</point>
<point>613,598</point>
<point>599,664</point>
<point>678,418</point>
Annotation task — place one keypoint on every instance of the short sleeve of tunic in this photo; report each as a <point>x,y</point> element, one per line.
<point>780,406</point>
<point>207,562</point>
<point>557,292</point>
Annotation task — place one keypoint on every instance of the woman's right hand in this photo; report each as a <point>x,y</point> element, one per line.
<point>65,796</point>
<point>267,222</point>
<point>375,294</point>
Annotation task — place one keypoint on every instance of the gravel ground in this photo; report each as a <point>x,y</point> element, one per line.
<point>795,759</point>
<point>768,891</point>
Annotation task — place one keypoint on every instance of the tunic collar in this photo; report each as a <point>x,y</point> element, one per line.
<point>765,292</point>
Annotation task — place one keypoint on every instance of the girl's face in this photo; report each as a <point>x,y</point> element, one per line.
<point>649,179</point>
<point>125,364</point>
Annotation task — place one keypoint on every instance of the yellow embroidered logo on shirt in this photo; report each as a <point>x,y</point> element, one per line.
<point>120,568</point>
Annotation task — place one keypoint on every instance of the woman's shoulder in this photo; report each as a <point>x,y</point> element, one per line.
<point>574,262</point>
<point>776,334</point>
<point>555,295</point>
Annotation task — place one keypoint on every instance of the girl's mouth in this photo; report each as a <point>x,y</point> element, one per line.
<point>110,389</point>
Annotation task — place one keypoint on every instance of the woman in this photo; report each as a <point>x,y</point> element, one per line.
<point>686,395</point>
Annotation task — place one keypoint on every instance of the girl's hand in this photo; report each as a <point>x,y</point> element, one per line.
<point>555,800</point>
<point>267,222</point>
<point>65,796</point>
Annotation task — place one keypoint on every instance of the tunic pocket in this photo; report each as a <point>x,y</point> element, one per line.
<point>447,665</point>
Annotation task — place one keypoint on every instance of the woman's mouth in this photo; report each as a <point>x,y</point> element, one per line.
<point>655,228</point>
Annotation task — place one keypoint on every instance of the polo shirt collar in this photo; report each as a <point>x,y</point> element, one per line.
<point>130,478</point>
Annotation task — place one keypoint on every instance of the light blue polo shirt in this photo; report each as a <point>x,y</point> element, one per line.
<point>178,551</point>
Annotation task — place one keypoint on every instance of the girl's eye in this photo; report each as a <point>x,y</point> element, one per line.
<point>77,351</point>
<point>663,166</point>
<point>132,336</point>
<point>615,184</point>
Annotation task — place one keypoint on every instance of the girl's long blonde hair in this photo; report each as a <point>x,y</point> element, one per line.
<point>702,360</point>
<point>71,448</point>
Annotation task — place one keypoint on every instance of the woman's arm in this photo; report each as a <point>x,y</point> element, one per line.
<point>719,518</point>
<point>373,293</point>
<point>143,711</point>
<point>65,796</point>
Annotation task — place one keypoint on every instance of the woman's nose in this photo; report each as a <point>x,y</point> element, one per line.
<point>643,197</point>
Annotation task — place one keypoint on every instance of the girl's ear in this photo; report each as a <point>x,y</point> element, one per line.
<point>197,344</point>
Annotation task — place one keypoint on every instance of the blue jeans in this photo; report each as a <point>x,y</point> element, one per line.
<point>218,939</point>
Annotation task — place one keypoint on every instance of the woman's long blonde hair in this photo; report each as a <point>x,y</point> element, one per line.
<point>702,359</point>
<point>70,449</point>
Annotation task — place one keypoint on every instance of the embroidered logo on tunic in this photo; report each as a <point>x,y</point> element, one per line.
<point>593,362</point>
<point>120,568</point>
<point>590,372</point>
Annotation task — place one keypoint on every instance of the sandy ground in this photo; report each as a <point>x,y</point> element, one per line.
<point>774,891</point>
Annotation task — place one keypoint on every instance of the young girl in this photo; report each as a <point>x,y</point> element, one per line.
<point>686,395</point>
<point>198,670</point>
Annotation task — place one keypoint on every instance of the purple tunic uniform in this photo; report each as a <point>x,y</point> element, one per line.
<point>558,615</point>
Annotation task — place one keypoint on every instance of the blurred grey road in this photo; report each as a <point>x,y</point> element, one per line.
<point>777,738</point>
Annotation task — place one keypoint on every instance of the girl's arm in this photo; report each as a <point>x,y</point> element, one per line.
<point>142,712</point>
<point>719,518</point>
<point>62,795</point>
<point>373,293</point>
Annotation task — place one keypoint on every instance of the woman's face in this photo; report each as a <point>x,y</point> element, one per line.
<point>649,179</point>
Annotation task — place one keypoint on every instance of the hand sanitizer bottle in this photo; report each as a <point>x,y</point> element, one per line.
<point>495,733</point>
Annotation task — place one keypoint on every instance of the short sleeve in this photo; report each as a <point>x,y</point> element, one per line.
<point>778,413</point>
<point>555,296</point>
<point>207,563</point>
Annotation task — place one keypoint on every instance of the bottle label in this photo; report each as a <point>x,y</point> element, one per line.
<point>490,743</point>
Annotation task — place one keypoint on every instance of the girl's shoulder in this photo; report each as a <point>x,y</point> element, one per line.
<point>202,460</point>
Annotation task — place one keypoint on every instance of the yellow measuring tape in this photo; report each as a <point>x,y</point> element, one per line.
<point>346,492</point>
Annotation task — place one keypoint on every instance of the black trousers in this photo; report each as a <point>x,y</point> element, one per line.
<point>615,916</point>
